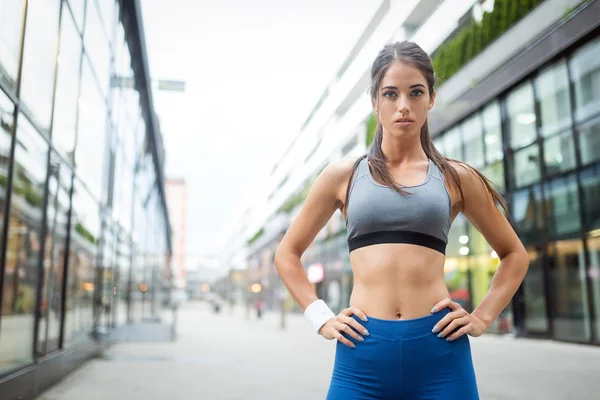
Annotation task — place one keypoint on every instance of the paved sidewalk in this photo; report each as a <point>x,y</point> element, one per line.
<point>235,356</point>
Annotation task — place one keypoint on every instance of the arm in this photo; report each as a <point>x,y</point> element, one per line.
<point>481,211</point>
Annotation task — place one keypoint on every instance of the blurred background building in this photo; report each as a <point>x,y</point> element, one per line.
<point>84,238</point>
<point>518,98</point>
<point>176,191</point>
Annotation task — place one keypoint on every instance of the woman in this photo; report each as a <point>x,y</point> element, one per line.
<point>402,336</point>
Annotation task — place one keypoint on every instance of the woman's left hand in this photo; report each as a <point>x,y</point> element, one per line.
<point>455,318</point>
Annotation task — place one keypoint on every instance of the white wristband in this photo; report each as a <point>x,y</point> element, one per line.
<point>318,313</point>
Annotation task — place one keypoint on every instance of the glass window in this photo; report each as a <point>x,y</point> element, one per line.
<point>585,74</point>
<point>85,231</point>
<point>473,138</point>
<point>495,173</point>
<point>527,166</point>
<point>107,12</point>
<point>39,60</point>
<point>521,114</point>
<point>594,274</point>
<point>536,317</point>
<point>96,46</point>
<point>453,144</point>
<point>54,257</point>
<point>78,9</point>
<point>590,183</point>
<point>566,271</point>
<point>22,248</point>
<point>552,90</point>
<point>6,126</point>
<point>589,141</point>
<point>563,206</point>
<point>438,142</point>
<point>91,136</point>
<point>67,87</point>
<point>559,153</point>
<point>11,18</point>
<point>528,214</point>
<point>492,126</point>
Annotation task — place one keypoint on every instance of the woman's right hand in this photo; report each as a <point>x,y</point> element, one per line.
<point>344,323</point>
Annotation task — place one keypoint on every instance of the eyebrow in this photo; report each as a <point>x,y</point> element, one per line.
<point>410,87</point>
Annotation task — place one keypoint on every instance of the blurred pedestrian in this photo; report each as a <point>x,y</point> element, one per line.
<point>402,336</point>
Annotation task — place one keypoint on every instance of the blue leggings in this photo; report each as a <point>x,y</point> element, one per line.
<point>403,359</point>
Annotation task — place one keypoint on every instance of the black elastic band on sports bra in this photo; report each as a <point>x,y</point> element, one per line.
<point>409,237</point>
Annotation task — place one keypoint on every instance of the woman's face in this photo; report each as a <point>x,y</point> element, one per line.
<point>403,100</point>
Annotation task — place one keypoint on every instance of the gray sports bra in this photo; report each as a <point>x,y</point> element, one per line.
<point>378,214</point>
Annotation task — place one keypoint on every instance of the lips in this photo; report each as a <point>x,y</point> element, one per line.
<point>403,120</point>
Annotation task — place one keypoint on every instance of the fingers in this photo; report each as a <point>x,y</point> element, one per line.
<point>343,340</point>
<point>448,318</point>
<point>355,311</point>
<point>342,327</point>
<point>453,325</point>
<point>459,333</point>
<point>447,302</point>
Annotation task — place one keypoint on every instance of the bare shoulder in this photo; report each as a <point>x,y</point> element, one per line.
<point>470,183</point>
<point>336,176</point>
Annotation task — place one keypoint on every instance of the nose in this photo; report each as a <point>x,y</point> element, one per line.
<point>403,104</point>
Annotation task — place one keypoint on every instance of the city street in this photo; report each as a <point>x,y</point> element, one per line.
<point>236,356</point>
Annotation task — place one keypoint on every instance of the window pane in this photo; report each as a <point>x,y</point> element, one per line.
<point>566,268</point>
<point>589,141</point>
<point>552,90</point>
<point>535,298</point>
<point>91,136</point>
<point>438,142</point>
<point>527,166</point>
<point>6,126</point>
<point>594,274</point>
<point>22,251</point>
<point>493,132</point>
<point>39,60</point>
<point>521,114</point>
<point>563,206</point>
<point>96,46</point>
<point>78,8</point>
<point>495,173</point>
<point>56,240</point>
<point>453,144</point>
<point>472,136</point>
<point>85,231</point>
<point>527,213</point>
<point>585,74</point>
<point>11,17</point>
<point>559,153</point>
<point>590,183</point>
<point>67,87</point>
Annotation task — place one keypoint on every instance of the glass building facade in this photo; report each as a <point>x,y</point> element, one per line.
<point>539,143</point>
<point>84,237</point>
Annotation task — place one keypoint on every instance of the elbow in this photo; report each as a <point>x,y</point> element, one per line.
<point>278,259</point>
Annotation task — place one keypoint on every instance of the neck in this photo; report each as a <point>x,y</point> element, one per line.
<point>400,150</point>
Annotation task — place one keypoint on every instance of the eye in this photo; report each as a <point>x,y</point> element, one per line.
<point>417,92</point>
<point>389,94</point>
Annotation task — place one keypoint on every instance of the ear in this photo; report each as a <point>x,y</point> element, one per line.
<point>432,101</point>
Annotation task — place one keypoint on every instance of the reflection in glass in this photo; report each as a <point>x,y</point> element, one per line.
<point>11,18</point>
<point>528,214</point>
<point>22,248</point>
<point>54,257</point>
<point>559,153</point>
<point>585,74</point>
<point>552,90</point>
<point>536,318</point>
<point>590,183</point>
<point>67,87</point>
<point>521,114</point>
<point>81,284</point>
<point>39,60</point>
<point>78,9</point>
<point>453,144</point>
<point>473,139</point>
<point>493,132</point>
<point>566,268</point>
<point>527,166</point>
<point>91,136</point>
<point>589,141</point>
<point>96,46</point>
<point>563,206</point>
<point>594,274</point>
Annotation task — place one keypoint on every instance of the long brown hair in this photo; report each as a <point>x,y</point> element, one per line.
<point>411,53</point>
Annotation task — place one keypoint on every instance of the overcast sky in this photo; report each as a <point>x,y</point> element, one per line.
<point>253,71</point>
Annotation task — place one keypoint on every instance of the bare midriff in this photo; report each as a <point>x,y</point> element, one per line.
<point>397,281</point>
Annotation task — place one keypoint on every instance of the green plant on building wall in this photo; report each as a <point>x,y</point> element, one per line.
<point>255,237</point>
<point>371,126</point>
<point>471,40</point>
